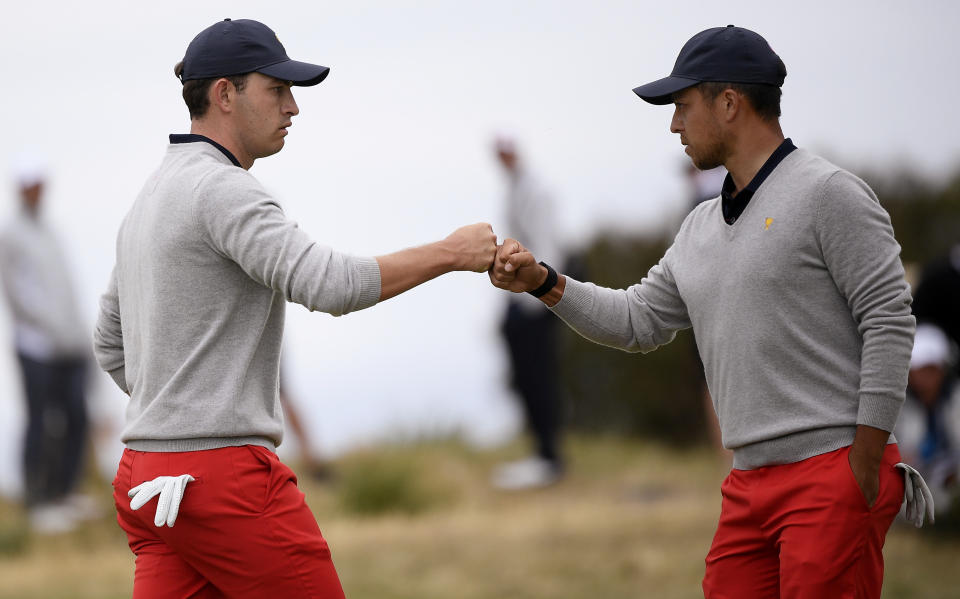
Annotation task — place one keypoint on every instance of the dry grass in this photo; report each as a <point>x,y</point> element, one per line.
<point>631,520</point>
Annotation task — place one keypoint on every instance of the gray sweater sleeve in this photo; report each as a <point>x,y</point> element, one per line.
<point>859,249</point>
<point>640,318</point>
<point>242,222</point>
<point>108,335</point>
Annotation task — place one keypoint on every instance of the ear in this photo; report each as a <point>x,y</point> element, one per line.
<point>729,104</point>
<point>222,95</point>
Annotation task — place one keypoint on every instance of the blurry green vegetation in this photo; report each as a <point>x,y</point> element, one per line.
<point>925,215</point>
<point>384,482</point>
<point>659,395</point>
<point>14,534</point>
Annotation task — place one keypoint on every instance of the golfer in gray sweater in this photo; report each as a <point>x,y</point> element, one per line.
<point>793,285</point>
<point>191,324</point>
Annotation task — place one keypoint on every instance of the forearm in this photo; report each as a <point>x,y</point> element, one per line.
<point>640,318</point>
<point>554,296</point>
<point>538,278</point>
<point>468,248</point>
<point>868,446</point>
<point>404,270</point>
<point>598,314</point>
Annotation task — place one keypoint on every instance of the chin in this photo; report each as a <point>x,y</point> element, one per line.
<point>706,163</point>
<point>272,150</point>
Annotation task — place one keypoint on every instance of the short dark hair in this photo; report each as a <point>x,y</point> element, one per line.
<point>764,98</point>
<point>195,90</point>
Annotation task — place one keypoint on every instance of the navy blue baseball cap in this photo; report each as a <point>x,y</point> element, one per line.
<point>244,46</point>
<point>727,54</point>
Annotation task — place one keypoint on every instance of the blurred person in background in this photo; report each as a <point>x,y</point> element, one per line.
<point>704,184</point>
<point>312,465</point>
<point>191,327</point>
<point>530,332</point>
<point>793,284</point>
<point>928,430</point>
<point>934,411</point>
<point>52,348</point>
<point>936,299</point>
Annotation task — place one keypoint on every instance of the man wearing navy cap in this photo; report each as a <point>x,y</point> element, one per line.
<point>191,325</point>
<point>793,284</point>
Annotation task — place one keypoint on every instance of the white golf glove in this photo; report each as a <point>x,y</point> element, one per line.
<point>170,489</point>
<point>917,495</point>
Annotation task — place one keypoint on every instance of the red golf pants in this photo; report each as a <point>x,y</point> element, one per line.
<point>243,530</point>
<point>802,531</point>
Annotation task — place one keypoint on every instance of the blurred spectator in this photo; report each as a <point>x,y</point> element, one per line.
<point>530,331</point>
<point>704,185</point>
<point>928,430</point>
<point>931,416</point>
<point>937,297</point>
<point>312,465</point>
<point>52,351</point>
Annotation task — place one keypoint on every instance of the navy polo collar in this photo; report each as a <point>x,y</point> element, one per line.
<point>187,138</point>
<point>733,206</point>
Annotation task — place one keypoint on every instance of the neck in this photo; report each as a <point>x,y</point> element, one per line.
<point>223,136</point>
<point>751,150</point>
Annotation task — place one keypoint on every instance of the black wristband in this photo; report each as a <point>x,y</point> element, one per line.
<point>549,284</point>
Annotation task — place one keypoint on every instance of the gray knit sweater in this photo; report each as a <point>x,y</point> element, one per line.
<point>192,320</point>
<point>800,310</point>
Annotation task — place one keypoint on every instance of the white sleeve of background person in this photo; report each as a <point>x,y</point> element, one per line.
<point>45,314</point>
<point>531,219</point>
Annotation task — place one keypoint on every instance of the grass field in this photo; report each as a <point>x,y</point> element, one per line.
<point>419,521</point>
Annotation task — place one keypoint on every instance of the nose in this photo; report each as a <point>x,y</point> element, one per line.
<point>676,126</point>
<point>290,105</point>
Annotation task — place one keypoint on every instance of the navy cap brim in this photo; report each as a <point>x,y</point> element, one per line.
<point>296,72</point>
<point>661,91</point>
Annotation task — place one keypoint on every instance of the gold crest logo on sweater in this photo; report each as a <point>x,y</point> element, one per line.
<point>767,223</point>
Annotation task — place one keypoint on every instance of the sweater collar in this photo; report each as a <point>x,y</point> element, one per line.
<point>186,138</point>
<point>734,205</point>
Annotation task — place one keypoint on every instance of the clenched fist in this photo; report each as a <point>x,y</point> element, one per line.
<point>473,247</point>
<point>515,269</point>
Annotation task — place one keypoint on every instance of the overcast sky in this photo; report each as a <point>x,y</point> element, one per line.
<point>393,150</point>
